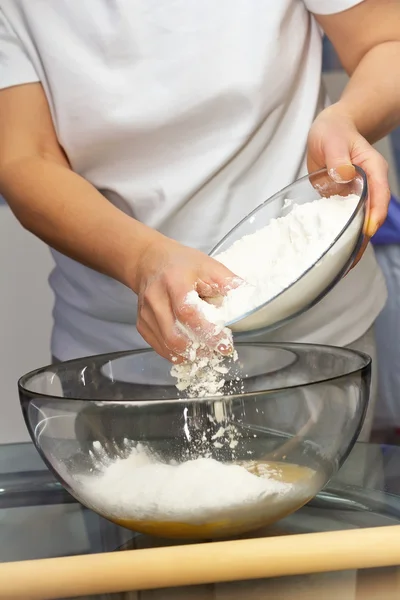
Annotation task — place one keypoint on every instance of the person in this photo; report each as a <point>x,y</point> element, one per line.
<point>135,135</point>
<point>387,330</point>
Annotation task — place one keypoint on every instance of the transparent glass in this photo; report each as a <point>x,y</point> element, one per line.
<point>325,273</point>
<point>295,418</point>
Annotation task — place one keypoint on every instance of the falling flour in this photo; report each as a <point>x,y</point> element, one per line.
<point>267,261</point>
<point>141,488</point>
<point>205,375</point>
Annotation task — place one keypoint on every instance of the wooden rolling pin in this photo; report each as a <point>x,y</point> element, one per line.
<point>175,566</point>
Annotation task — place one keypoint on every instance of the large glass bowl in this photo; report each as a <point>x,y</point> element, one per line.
<point>325,273</point>
<point>288,418</point>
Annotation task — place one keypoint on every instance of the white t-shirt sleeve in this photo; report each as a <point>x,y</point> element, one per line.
<point>15,66</point>
<point>330,7</point>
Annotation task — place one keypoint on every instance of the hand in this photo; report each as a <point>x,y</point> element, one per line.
<point>334,142</point>
<point>167,271</point>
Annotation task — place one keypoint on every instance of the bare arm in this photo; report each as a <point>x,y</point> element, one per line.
<point>69,214</point>
<point>52,201</point>
<point>367,40</point>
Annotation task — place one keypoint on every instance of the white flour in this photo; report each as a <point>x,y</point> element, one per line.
<point>141,488</point>
<point>268,261</point>
<point>273,257</point>
<point>201,376</point>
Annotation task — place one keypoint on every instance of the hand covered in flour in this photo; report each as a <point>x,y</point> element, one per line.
<point>166,273</point>
<point>335,143</point>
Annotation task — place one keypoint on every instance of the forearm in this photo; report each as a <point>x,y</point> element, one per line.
<point>69,214</point>
<point>372,97</point>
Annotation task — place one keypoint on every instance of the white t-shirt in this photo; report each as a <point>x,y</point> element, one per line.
<point>186,115</point>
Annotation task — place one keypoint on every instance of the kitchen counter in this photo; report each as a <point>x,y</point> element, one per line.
<point>39,519</point>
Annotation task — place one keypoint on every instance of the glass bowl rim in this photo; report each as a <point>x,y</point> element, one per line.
<point>365,364</point>
<point>362,200</point>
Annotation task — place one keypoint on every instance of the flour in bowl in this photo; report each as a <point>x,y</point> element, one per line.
<point>268,261</point>
<point>141,488</point>
<point>276,255</point>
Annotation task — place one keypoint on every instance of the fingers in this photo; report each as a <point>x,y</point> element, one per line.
<point>338,159</point>
<point>156,324</point>
<point>172,324</point>
<point>334,142</point>
<point>198,317</point>
<point>376,169</point>
<point>201,318</point>
<point>213,335</point>
<point>153,340</point>
<point>342,173</point>
<point>343,150</point>
<point>359,256</point>
<point>216,280</point>
<point>214,293</point>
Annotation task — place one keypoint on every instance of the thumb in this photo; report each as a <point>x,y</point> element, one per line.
<point>215,292</point>
<point>338,161</point>
<point>216,280</point>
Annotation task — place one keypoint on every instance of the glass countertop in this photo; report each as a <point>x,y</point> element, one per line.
<point>39,519</point>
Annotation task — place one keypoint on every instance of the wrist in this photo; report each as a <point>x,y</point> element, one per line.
<point>339,111</point>
<point>142,255</point>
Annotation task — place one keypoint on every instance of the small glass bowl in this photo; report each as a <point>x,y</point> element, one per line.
<point>326,272</point>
